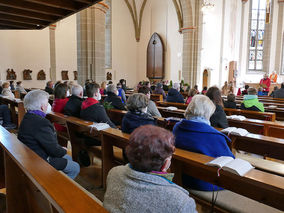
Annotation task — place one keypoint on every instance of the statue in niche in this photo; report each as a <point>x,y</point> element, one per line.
<point>27,74</point>
<point>64,75</point>
<point>109,76</point>
<point>41,75</point>
<point>11,75</point>
<point>75,75</point>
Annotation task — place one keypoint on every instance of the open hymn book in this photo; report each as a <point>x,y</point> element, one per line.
<point>237,166</point>
<point>99,126</point>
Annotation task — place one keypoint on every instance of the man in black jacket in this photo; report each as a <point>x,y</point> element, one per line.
<point>280,92</point>
<point>174,94</point>
<point>73,106</point>
<point>39,135</point>
<point>113,98</point>
<point>91,109</point>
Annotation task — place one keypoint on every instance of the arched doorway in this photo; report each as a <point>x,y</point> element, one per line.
<point>205,78</point>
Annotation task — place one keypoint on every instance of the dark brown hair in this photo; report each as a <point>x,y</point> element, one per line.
<point>148,148</point>
<point>215,96</point>
<point>144,90</point>
<point>92,88</point>
<point>60,91</point>
<point>231,97</point>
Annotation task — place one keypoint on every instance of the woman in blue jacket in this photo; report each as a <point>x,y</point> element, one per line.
<point>196,135</point>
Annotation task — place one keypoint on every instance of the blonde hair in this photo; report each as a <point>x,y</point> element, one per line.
<point>192,92</point>
<point>5,84</point>
<point>104,85</point>
<point>200,106</point>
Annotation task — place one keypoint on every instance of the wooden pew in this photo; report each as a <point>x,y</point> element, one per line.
<point>32,185</point>
<point>17,109</point>
<point>258,126</point>
<point>156,97</point>
<point>260,186</point>
<point>167,104</point>
<point>62,136</point>
<point>250,114</point>
<point>267,116</point>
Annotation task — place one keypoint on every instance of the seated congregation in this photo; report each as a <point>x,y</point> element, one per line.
<point>145,183</point>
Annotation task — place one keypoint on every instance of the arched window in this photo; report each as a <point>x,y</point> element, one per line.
<point>257,31</point>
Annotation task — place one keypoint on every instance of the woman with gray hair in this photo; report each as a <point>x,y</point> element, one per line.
<point>39,135</point>
<point>195,134</point>
<point>137,113</point>
<point>113,98</point>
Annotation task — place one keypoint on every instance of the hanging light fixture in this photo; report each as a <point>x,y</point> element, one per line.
<point>207,6</point>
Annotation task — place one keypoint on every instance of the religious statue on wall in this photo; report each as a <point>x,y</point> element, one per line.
<point>75,75</point>
<point>64,75</point>
<point>41,75</point>
<point>11,75</point>
<point>27,74</point>
<point>109,76</point>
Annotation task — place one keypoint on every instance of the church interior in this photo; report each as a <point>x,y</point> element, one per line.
<point>142,106</point>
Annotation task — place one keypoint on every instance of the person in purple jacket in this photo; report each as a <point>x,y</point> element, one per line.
<point>196,135</point>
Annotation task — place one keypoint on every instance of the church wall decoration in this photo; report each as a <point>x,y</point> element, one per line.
<point>11,75</point>
<point>109,76</point>
<point>27,74</point>
<point>75,75</point>
<point>64,75</point>
<point>41,75</point>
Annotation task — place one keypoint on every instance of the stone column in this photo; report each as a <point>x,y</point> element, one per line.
<point>91,43</point>
<point>267,42</point>
<point>279,41</point>
<point>52,52</point>
<point>192,34</point>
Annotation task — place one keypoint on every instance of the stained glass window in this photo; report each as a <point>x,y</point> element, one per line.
<point>257,30</point>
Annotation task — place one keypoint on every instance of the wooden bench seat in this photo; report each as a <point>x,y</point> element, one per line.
<point>260,186</point>
<point>32,185</point>
<point>228,201</point>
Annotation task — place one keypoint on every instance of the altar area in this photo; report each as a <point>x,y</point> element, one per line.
<point>271,88</point>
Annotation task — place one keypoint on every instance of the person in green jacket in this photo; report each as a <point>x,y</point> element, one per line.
<point>251,101</point>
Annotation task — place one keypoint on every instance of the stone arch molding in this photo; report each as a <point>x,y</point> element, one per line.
<point>136,18</point>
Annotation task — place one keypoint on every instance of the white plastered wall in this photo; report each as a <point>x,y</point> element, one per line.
<point>29,49</point>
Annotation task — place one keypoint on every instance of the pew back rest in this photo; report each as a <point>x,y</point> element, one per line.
<point>275,131</point>
<point>267,116</point>
<point>250,127</point>
<point>167,104</point>
<point>156,97</point>
<point>35,186</point>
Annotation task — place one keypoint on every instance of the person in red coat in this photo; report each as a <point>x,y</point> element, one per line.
<point>265,83</point>
<point>59,102</point>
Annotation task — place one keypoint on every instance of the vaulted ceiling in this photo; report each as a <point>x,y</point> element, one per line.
<point>38,14</point>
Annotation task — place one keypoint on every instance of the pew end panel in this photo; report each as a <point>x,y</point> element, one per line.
<point>111,138</point>
<point>32,185</point>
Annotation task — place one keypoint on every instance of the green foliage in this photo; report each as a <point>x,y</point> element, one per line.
<point>107,105</point>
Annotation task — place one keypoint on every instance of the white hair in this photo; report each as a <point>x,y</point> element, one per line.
<point>200,106</point>
<point>111,88</point>
<point>76,90</point>
<point>176,86</point>
<point>35,99</point>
